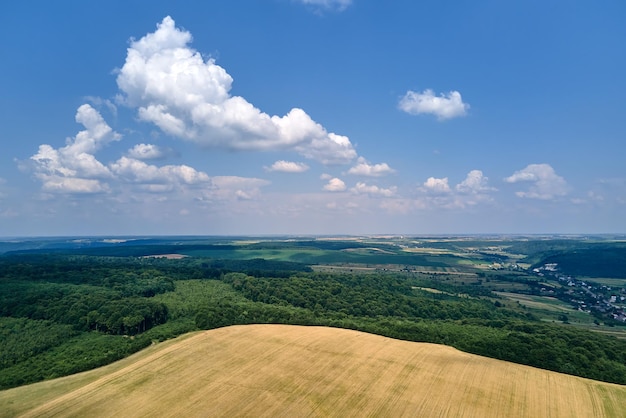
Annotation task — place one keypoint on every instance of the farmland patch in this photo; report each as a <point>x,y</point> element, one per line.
<point>275,370</point>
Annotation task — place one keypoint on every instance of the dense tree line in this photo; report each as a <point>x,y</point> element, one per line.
<point>362,295</point>
<point>388,305</point>
<point>60,314</point>
<point>599,260</point>
<point>109,270</point>
<point>85,307</point>
<point>78,353</point>
<point>21,338</point>
<point>548,346</point>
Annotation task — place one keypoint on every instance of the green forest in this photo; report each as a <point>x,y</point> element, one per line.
<point>62,313</point>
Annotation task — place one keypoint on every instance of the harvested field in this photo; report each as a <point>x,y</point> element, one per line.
<point>538,302</point>
<point>296,371</point>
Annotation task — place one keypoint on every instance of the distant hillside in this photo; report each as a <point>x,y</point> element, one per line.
<point>281,370</point>
<point>599,260</point>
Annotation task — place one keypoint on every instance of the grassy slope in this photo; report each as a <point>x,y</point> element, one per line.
<point>280,370</point>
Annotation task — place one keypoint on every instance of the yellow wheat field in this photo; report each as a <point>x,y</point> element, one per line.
<point>295,371</point>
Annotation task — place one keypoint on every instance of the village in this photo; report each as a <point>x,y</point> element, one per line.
<point>607,303</point>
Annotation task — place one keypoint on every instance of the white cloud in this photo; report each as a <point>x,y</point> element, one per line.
<point>363,168</point>
<point>137,171</point>
<point>436,186</point>
<point>62,184</point>
<point>373,190</point>
<point>400,206</point>
<point>335,185</point>
<point>545,183</point>
<point>146,152</point>
<point>3,195</point>
<point>335,5</point>
<point>594,196</point>
<point>443,106</point>
<point>97,134</point>
<point>288,167</point>
<point>98,101</point>
<point>474,183</point>
<point>73,168</point>
<point>329,149</point>
<point>236,182</point>
<point>187,97</point>
<point>437,192</point>
<point>235,188</point>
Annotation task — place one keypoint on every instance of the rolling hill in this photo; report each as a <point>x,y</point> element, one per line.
<point>283,370</point>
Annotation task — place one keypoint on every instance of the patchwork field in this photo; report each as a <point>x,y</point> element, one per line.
<point>539,302</point>
<point>281,370</point>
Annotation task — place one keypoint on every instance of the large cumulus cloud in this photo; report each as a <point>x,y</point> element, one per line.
<point>187,96</point>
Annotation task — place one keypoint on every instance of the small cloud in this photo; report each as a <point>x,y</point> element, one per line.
<point>436,186</point>
<point>228,188</point>
<point>288,167</point>
<point>614,182</point>
<point>400,206</point>
<point>240,183</point>
<point>595,196</point>
<point>137,171</point>
<point>98,101</point>
<point>474,183</point>
<point>8,213</point>
<point>146,152</point>
<point>243,195</point>
<point>472,191</point>
<point>545,183</point>
<point>443,106</point>
<point>73,185</point>
<point>335,185</point>
<point>363,168</point>
<point>74,168</point>
<point>327,5</point>
<point>373,190</point>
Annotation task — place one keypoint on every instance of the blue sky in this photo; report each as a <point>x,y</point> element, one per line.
<point>312,117</point>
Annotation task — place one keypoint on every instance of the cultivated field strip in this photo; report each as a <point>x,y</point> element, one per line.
<point>295,371</point>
